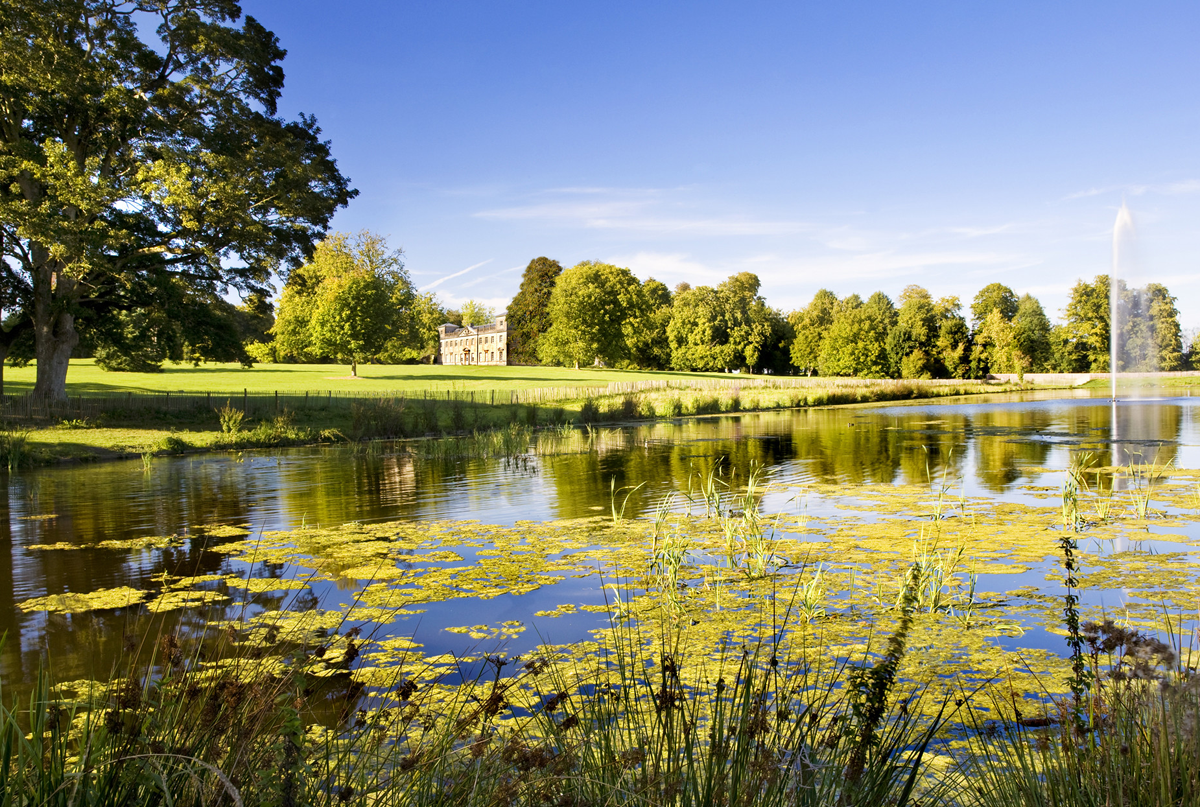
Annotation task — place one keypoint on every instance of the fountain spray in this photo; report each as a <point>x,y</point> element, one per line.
<point>1121,256</point>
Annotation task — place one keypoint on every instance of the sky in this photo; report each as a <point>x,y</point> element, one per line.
<point>853,146</point>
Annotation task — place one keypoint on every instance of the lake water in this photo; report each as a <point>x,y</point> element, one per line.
<point>991,448</point>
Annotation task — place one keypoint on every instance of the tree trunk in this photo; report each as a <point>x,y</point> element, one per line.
<point>354,368</point>
<point>54,332</point>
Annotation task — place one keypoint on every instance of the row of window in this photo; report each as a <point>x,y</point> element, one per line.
<point>465,357</point>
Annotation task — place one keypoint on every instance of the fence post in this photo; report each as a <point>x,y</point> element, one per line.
<point>277,402</point>
<point>245,400</point>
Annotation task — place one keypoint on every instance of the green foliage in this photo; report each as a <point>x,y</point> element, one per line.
<point>14,450</point>
<point>1083,345</point>
<point>810,326</point>
<point>230,418</point>
<point>911,344</point>
<point>856,344</point>
<point>995,347</point>
<point>649,346</point>
<point>1031,334</point>
<point>1161,319</point>
<point>474,312</point>
<point>993,297</point>
<point>953,346</point>
<point>146,150</point>
<point>528,312</point>
<point>729,327</point>
<point>592,310</point>
<point>353,302</point>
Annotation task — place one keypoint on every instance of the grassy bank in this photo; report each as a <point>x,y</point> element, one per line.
<point>84,377</point>
<point>97,424</point>
<point>731,671</point>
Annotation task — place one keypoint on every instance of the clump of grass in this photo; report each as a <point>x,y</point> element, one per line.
<point>1141,750</point>
<point>380,418</point>
<point>589,411</point>
<point>14,448</point>
<point>230,418</point>
<point>173,444</point>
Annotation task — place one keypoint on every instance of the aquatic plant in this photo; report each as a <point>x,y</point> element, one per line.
<point>1142,749</point>
<point>14,448</point>
<point>619,513</point>
<point>1143,479</point>
<point>1081,678</point>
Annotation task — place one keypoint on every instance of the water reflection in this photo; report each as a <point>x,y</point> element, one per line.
<point>984,448</point>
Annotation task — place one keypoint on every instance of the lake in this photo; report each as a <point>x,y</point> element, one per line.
<point>820,467</point>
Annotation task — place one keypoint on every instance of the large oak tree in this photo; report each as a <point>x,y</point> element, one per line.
<point>139,140</point>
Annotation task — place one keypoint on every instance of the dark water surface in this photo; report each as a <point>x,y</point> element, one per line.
<point>989,448</point>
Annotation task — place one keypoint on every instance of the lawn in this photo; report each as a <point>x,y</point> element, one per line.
<point>85,377</point>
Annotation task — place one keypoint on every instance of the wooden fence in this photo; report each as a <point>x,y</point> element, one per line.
<point>259,404</point>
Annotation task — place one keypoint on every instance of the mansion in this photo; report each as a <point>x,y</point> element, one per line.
<point>474,344</point>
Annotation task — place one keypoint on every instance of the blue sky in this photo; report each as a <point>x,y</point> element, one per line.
<point>848,145</point>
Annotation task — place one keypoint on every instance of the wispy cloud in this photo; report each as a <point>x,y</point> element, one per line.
<point>442,280</point>
<point>641,210</point>
<point>1177,188</point>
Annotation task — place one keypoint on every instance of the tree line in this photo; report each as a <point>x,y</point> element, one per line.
<point>599,313</point>
<point>355,302</point>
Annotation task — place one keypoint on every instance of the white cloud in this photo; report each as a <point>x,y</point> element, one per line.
<point>674,266</point>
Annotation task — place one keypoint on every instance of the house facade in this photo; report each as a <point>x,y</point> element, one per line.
<point>474,344</point>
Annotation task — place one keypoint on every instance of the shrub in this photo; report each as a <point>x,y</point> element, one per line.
<point>231,418</point>
<point>589,412</point>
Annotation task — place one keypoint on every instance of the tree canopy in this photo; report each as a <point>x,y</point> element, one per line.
<point>994,296</point>
<point>810,325</point>
<point>474,312</point>
<point>722,328</point>
<point>590,309</point>
<point>528,313</point>
<point>353,302</point>
<point>139,142</point>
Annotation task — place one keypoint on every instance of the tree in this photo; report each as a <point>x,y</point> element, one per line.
<point>528,313</point>
<point>589,312</point>
<point>698,331</point>
<point>420,342</point>
<point>1083,347</point>
<point>353,317</point>
<point>1168,337</point>
<point>474,312</point>
<point>124,159</point>
<point>953,346</point>
<point>911,344</point>
<point>649,345</point>
<point>857,341</point>
<point>990,297</point>
<point>1031,334</point>
<point>729,327</point>
<point>810,326</point>
<point>179,323</point>
<point>352,302</point>
<point>995,346</point>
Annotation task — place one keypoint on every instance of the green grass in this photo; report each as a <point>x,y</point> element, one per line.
<point>85,377</point>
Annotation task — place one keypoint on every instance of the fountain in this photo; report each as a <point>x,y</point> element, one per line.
<point>1131,346</point>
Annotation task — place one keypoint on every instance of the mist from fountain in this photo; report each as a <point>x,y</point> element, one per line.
<point>1131,344</point>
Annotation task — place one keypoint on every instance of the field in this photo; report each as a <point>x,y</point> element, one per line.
<point>85,377</point>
